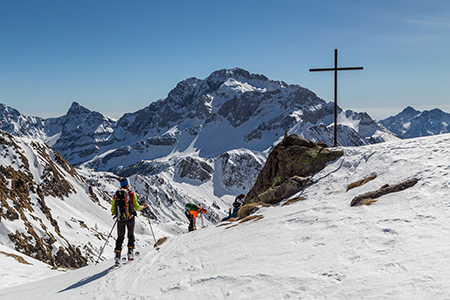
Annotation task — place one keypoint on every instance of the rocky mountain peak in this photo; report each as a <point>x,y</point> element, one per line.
<point>409,111</point>
<point>217,78</point>
<point>77,109</point>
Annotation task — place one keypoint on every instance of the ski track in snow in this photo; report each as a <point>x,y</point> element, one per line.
<point>319,248</point>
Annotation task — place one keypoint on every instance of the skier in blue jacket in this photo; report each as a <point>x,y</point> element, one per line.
<point>232,213</point>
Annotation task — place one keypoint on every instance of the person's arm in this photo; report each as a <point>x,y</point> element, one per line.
<point>113,206</point>
<point>136,204</point>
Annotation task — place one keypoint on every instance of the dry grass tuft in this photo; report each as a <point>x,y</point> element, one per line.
<point>17,257</point>
<point>360,182</point>
<point>160,241</point>
<point>367,201</point>
<point>249,218</point>
<point>293,200</point>
<point>249,209</point>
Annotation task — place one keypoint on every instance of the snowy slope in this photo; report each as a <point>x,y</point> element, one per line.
<point>319,248</point>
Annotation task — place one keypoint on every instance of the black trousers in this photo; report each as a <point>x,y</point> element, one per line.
<point>191,220</point>
<point>121,225</point>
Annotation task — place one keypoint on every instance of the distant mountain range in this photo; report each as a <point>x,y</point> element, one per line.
<point>231,109</point>
<point>411,123</point>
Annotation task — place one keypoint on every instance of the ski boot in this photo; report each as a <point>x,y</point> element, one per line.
<point>117,258</point>
<point>130,253</point>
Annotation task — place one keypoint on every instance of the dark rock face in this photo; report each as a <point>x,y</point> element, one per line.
<point>294,156</point>
<point>288,188</point>
<point>194,169</point>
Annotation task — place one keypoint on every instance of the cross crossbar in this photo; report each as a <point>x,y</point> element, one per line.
<point>338,69</point>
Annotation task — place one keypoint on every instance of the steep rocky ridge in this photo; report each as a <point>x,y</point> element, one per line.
<point>44,202</point>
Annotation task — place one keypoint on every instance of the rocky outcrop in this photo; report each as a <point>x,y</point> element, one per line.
<point>294,156</point>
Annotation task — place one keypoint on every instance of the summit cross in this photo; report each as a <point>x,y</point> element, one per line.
<point>335,69</point>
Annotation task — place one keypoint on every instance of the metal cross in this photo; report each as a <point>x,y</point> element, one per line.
<point>335,69</point>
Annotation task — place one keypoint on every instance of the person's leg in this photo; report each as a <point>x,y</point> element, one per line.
<point>120,237</point>
<point>130,235</point>
<point>131,239</point>
<point>190,218</point>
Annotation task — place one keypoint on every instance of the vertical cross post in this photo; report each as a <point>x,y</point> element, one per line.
<point>335,69</point>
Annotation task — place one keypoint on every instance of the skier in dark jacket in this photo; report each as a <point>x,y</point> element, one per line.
<point>236,206</point>
<point>191,212</point>
<point>124,207</point>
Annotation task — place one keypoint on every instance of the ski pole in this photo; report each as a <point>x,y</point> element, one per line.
<point>203,225</point>
<point>106,241</point>
<point>151,228</point>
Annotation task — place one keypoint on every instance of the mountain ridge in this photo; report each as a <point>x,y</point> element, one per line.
<point>411,123</point>
<point>230,109</point>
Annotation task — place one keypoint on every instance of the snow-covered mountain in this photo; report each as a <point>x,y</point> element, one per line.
<point>412,123</point>
<point>231,109</point>
<point>318,248</point>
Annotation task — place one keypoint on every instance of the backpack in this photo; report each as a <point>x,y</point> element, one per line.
<point>190,207</point>
<point>236,204</point>
<point>124,204</point>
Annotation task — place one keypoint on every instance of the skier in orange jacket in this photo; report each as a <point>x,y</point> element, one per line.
<point>191,212</point>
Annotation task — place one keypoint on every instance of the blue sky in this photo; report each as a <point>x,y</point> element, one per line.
<point>119,56</point>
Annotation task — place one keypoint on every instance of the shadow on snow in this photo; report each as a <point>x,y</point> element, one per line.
<point>89,279</point>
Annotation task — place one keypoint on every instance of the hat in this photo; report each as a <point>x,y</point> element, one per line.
<point>123,182</point>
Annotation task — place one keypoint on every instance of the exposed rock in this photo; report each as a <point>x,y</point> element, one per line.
<point>288,188</point>
<point>386,189</point>
<point>294,156</point>
<point>26,183</point>
<point>194,169</point>
<point>239,169</point>
<point>165,140</point>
